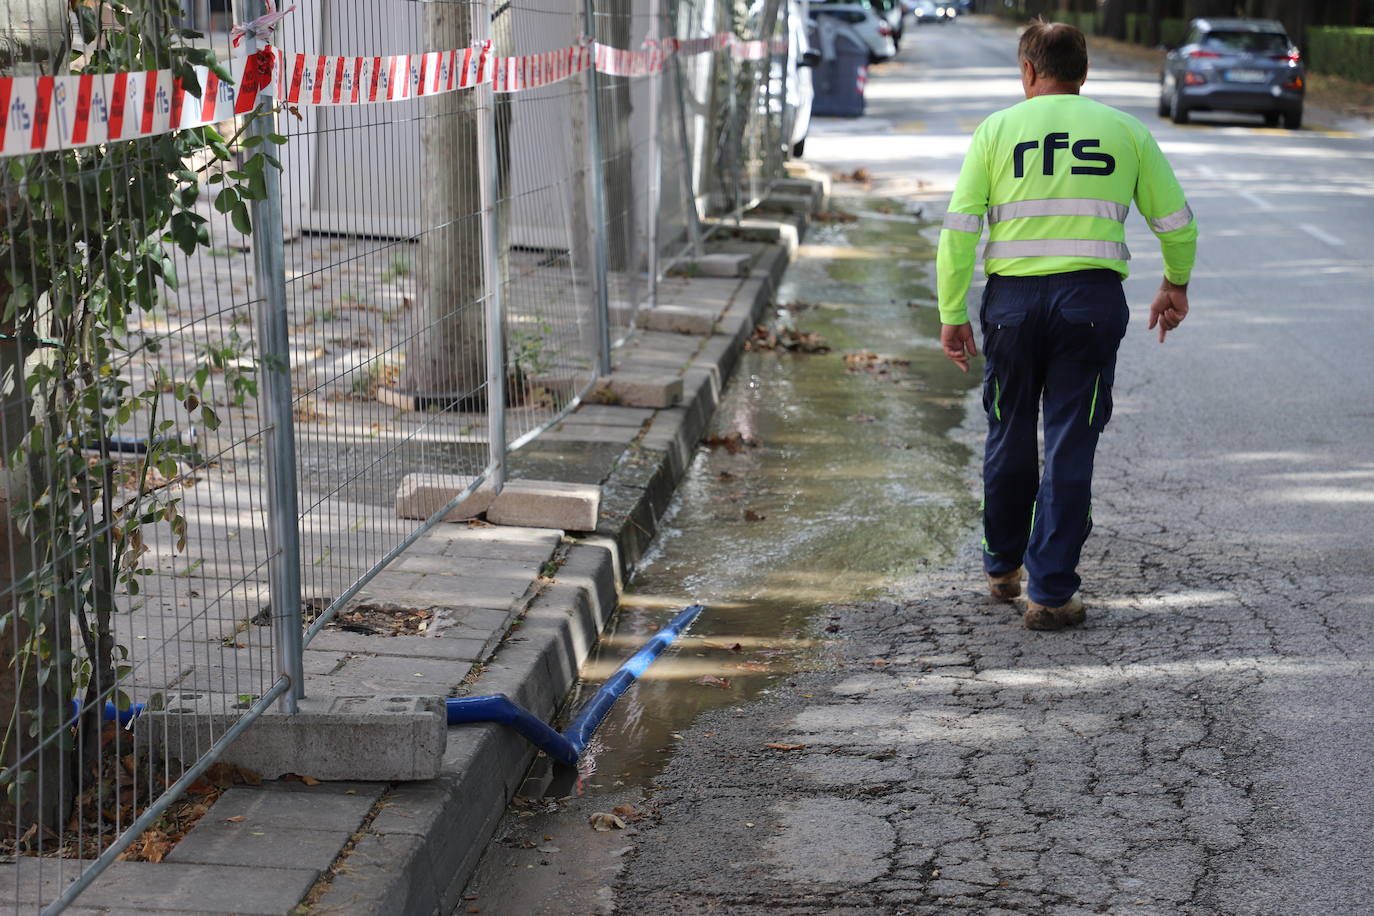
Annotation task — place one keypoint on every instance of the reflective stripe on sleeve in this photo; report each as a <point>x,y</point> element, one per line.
<point>1059,206</point>
<point>964,222</point>
<point>1176,220</point>
<point>1058,248</point>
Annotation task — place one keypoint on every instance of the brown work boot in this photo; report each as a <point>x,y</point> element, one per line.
<point>1068,614</point>
<point>1006,586</point>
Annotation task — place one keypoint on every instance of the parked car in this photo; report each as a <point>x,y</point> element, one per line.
<point>865,20</point>
<point>798,90</point>
<point>1246,65</point>
<point>894,14</point>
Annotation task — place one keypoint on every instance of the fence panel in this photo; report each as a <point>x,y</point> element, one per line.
<point>135,559</point>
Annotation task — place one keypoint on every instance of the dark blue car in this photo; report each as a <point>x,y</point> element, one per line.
<point>1245,65</point>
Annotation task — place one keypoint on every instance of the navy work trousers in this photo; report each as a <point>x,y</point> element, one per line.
<point>1048,340</point>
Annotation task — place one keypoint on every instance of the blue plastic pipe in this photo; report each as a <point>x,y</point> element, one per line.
<point>113,713</point>
<point>500,708</point>
<point>580,731</point>
<point>568,747</point>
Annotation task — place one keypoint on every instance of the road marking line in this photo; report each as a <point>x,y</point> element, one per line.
<point>1255,199</point>
<point>1332,132</point>
<point>1320,235</point>
<point>1206,171</point>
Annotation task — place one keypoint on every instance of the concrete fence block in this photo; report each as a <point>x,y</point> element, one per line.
<point>723,264</point>
<point>547,504</point>
<point>789,203</point>
<point>393,738</point>
<point>637,390</point>
<point>422,495</point>
<point>679,319</point>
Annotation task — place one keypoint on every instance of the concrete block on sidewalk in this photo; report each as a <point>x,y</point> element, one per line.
<point>422,495</point>
<point>789,203</point>
<point>390,738</point>
<point>547,504</point>
<point>637,390</point>
<point>753,229</point>
<point>679,319</point>
<point>723,265</point>
<point>807,186</point>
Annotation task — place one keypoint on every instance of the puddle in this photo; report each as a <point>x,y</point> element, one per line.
<point>854,484</point>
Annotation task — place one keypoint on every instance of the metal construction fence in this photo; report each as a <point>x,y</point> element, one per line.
<point>253,279</point>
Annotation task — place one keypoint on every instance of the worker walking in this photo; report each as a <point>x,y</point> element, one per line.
<point>1053,177</point>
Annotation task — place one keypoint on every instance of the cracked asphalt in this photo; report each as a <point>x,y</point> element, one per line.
<point>1204,744</point>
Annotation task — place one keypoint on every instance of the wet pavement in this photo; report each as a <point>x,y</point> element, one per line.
<point>1202,745</point>
<point>828,479</point>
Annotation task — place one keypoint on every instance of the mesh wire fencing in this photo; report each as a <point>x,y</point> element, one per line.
<point>230,341</point>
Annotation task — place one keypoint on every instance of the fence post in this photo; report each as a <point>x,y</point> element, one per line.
<point>655,160</point>
<point>736,134</point>
<point>602,305</point>
<point>694,218</point>
<point>488,177</point>
<point>279,434</point>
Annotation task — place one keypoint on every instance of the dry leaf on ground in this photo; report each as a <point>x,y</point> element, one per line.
<point>601,821</point>
<point>781,746</point>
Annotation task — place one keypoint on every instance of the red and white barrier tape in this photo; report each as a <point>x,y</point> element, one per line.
<point>64,112</point>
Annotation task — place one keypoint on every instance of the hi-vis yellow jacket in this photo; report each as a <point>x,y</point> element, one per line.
<point>1054,176</point>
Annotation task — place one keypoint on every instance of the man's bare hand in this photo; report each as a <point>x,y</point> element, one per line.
<point>1169,308</point>
<point>957,341</point>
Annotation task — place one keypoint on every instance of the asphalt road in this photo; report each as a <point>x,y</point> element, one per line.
<point>1205,744</point>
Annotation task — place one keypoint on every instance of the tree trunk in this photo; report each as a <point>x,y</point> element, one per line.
<point>34,39</point>
<point>446,359</point>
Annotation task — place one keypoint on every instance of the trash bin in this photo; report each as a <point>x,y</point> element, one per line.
<point>843,71</point>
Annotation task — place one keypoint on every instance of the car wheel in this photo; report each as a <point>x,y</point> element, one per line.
<point>1292,120</point>
<point>1163,104</point>
<point>1178,111</point>
<point>798,148</point>
<point>1271,119</point>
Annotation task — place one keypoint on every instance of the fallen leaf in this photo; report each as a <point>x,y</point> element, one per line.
<point>751,516</point>
<point>602,822</point>
<point>780,746</point>
<point>310,780</point>
<point>707,680</point>
<point>861,418</point>
<point>236,818</point>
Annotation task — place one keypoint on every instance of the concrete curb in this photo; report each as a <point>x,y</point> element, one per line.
<point>426,838</point>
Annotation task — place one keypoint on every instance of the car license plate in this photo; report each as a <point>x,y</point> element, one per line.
<point>1246,76</point>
